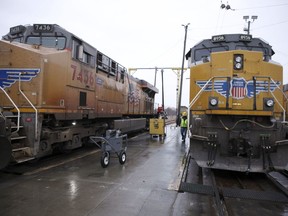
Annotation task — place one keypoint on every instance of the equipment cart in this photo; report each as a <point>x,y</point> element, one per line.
<point>157,127</point>
<point>111,143</point>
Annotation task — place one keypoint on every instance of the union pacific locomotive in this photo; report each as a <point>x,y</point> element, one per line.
<point>56,90</point>
<point>237,107</point>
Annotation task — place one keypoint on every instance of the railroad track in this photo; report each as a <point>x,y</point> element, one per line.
<point>229,190</point>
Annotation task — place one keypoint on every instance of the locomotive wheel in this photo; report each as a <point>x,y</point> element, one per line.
<point>5,152</point>
<point>105,159</point>
<point>122,157</point>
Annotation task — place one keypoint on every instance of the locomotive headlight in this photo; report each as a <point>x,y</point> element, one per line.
<point>238,59</point>
<point>238,62</point>
<point>213,101</point>
<point>269,103</point>
<point>238,66</point>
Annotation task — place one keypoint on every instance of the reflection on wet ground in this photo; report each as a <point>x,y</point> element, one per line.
<point>145,185</point>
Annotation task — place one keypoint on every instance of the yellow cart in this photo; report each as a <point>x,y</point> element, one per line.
<point>157,127</point>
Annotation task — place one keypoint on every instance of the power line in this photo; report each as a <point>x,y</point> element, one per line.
<point>272,24</point>
<point>267,6</point>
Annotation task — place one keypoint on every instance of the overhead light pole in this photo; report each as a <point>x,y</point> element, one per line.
<point>181,77</point>
<point>247,19</point>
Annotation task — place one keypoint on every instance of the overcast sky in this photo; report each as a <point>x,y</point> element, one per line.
<point>149,33</point>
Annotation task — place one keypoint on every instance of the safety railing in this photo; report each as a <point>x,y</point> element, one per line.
<point>31,104</point>
<point>275,98</point>
<point>15,106</point>
<point>197,97</point>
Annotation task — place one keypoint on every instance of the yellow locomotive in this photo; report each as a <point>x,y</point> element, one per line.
<point>237,109</point>
<point>56,90</point>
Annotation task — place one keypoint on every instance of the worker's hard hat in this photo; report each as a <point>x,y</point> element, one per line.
<point>184,114</point>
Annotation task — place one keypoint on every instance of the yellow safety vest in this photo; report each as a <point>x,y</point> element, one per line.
<point>183,123</point>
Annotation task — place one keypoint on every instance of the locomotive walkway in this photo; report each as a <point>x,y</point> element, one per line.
<point>145,185</point>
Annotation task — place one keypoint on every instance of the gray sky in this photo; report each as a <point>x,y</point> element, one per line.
<point>149,33</point>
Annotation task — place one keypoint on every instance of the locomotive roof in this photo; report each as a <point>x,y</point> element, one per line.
<point>43,30</point>
<point>226,42</point>
<point>21,33</point>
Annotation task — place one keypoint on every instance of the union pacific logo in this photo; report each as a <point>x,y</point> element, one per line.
<point>239,88</point>
<point>8,76</point>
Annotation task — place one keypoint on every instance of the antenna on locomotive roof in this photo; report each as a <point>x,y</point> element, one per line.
<point>247,19</point>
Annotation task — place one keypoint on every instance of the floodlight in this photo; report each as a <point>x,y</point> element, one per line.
<point>246,17</point>
<point>254,17</point>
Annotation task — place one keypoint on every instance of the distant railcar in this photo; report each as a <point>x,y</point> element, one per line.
<point>237,105</point>
<point>56,90</point>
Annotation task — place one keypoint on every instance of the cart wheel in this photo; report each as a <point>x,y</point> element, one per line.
<point>122,157</point>
<point>105,159</point>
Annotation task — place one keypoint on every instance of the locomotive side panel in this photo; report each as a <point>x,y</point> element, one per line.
<point>19,63</point>
<point>54,78</point>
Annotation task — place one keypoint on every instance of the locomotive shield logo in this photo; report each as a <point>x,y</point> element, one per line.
<point>238,88</point>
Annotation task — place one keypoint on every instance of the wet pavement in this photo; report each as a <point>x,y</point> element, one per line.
<point>145,185</point>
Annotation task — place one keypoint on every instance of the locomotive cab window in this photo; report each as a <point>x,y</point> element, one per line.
<point>50,42</point>
<point>103,62</point>
<point>80,53</point>
<point>113,68</point>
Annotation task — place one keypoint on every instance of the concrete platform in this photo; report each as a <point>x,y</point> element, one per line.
<point>145,185</point>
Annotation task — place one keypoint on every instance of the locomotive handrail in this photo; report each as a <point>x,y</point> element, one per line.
<point>197,96</point>
<point>36,111</point>
<point>283,109</point>
<point>18,111</point>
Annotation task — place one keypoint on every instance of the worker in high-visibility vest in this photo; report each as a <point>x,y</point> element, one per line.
<point>183,126</point>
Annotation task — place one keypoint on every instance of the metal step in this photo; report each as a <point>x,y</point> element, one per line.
<point>15,127</point>
<point>11,116</point>
<point>23,159</point>
<point>24,149</point>
<point>8,107</point>
<point>280,180</point>
<point>18,138</point>
<point>22,154</point>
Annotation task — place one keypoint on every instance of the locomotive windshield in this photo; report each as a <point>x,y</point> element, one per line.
<point>51,42</point>
<point>47,35</point>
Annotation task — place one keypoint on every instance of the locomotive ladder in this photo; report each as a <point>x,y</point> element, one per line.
<point>31,104</point>
<point>18,111</point>
<point>22,153</point>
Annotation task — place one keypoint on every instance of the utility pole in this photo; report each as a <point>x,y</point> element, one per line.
<point>162,70</point>
<point>181,78</point>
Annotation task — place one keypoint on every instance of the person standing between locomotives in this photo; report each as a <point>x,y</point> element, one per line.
<point>183,126</point>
